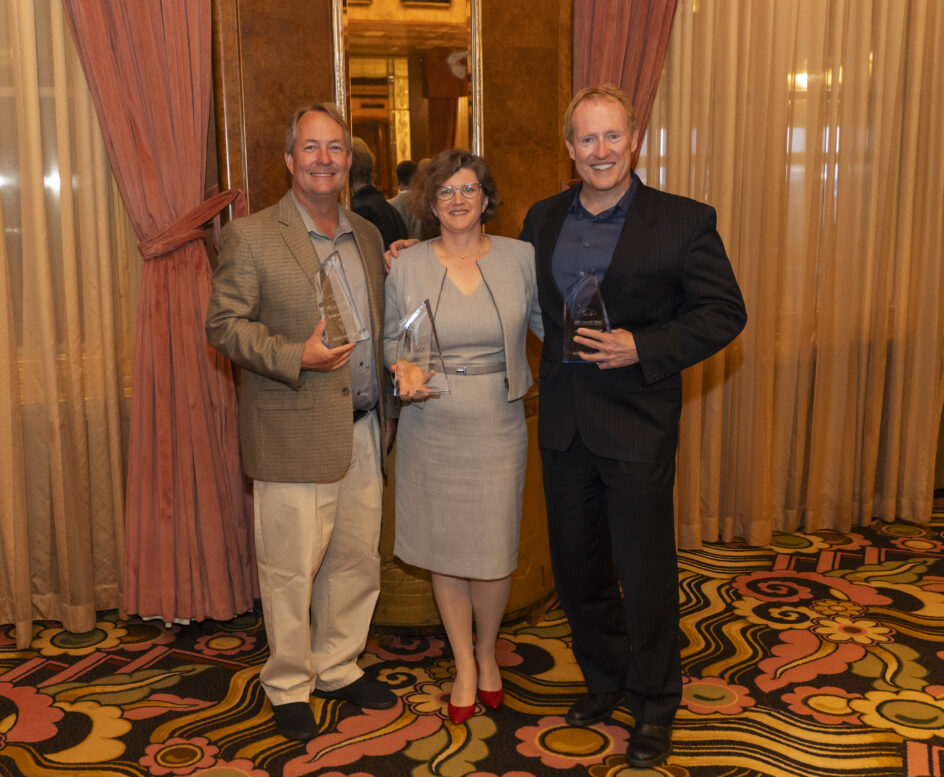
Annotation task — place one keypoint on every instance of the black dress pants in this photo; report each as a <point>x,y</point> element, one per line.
<point>611,527</point>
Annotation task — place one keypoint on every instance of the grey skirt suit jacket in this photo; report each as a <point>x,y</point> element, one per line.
<point>508,272</point>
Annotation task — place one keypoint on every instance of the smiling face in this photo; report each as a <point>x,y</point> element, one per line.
<point>320,161</point>
<point>602,150</point>
<point>459,214</point>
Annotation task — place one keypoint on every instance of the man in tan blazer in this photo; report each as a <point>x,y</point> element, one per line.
<point>310,423</point>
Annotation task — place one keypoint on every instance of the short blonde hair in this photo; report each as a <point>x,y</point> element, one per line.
<point>596,93</point>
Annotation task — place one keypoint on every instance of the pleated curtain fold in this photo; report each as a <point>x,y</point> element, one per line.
<point>188,549</point>
<point>68,289</point>
<point>813,127</point>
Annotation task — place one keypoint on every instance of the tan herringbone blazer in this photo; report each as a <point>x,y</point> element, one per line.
<point>294,425</point>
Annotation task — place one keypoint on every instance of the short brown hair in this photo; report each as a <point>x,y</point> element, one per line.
<point>362,162</point>
<point>596,93</point>
<point>291,132</point>
<point>431,176</point>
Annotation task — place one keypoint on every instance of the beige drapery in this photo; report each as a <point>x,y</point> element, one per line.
<point>68,290</point>
<point>814,127</point>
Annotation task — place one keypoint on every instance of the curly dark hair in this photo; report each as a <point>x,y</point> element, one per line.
<point>432,174</point>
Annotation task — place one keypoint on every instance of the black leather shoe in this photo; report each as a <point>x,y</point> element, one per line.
<point>294,720</point>
<point>363,692</point>
<point>649,745</point>
<point>592,708</point>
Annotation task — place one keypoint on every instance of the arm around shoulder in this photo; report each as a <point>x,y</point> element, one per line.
<point>535,319</point>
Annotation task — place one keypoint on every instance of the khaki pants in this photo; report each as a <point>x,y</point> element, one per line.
<point>319,572</point>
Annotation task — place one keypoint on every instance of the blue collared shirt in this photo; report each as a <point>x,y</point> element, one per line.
<point>587,242</point>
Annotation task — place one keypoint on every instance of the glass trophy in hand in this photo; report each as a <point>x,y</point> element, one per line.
<point>583,307</point>
<point>343,322</point>
<point>419,371</point>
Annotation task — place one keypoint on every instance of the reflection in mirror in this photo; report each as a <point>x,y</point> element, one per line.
<point>410,65</point>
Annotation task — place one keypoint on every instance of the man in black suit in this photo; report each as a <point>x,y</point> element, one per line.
<point>608,427</point>
<point>368,201</point>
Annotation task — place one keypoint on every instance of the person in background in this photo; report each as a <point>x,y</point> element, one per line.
<point>405,172</point>
<point>608,427</point>
<point>310,420</point>
<point>368,201</point>
<point>461,455</point>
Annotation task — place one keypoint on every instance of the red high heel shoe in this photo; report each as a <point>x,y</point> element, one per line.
<point>492,699</point>
<point>460,714</point>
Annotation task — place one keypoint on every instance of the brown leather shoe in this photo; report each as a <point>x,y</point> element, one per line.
<point>649,745</point>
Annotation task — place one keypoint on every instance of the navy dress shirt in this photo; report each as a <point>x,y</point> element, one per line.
<point>587,242</point>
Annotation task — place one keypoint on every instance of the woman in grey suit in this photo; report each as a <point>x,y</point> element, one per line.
<point>461,455</point>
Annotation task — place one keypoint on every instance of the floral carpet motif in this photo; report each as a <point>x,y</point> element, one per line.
<point>819,654</point>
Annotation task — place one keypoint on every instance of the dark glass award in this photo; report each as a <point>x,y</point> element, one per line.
<point>420,371</point>
<point>343,322</point>
<point>583,307</point>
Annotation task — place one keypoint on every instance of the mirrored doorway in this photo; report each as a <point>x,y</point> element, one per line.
<point>410,78</point>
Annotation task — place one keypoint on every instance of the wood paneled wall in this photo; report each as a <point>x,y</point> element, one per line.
<point>526,72</point>
<point>269,57</point>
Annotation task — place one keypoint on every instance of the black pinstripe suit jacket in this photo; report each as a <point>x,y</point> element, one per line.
<point>669,283</point>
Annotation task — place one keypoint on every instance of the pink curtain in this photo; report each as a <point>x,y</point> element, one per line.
<point>623,42</point>
<point>188,549</point>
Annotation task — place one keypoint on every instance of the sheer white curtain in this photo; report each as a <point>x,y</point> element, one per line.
<point>815,128</point>
<point>69,277</point>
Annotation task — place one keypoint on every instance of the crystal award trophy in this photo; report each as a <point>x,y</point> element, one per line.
<point>420,371</point>
<point>343,322</point>
<point>583,307</point>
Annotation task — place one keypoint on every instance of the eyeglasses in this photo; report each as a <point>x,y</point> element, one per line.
<point>468,190</point>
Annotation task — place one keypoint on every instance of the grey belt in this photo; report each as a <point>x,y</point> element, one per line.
<point>481,369</point>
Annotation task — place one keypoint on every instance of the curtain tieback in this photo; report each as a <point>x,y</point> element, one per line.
<point>187,227</point>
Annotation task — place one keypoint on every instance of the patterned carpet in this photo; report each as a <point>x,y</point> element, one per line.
<point>820,654</point>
